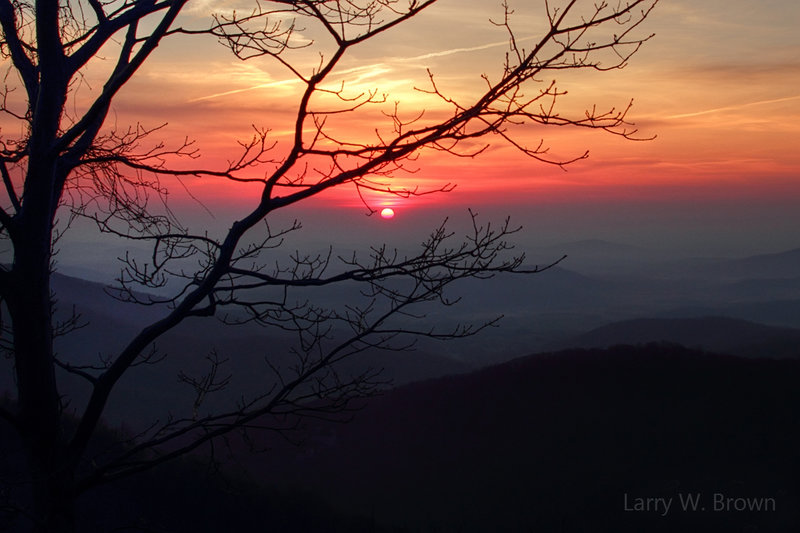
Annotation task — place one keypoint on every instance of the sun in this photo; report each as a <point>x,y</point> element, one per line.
<point>387,213</point>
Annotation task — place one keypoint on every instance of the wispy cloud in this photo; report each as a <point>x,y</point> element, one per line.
<point>734,107</point>
<point>280,83</point>
<point>452,51</point>
<point>370,69</point>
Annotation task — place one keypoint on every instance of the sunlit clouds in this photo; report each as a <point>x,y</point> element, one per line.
<point>717,87</point>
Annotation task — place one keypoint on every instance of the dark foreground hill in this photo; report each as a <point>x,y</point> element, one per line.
<point>716,334</point>
<point>567,442</point>
<point>575,441</point>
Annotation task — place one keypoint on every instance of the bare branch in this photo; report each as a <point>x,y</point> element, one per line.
<point>208,383</point>
<point>9,185</point>
<point>10,22</point>
<point>127,65</point>
<point>66,161</point>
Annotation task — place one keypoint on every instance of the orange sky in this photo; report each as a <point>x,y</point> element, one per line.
<point>718,86</point>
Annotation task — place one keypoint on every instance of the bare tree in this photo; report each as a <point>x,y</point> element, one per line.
<point>74,163</point>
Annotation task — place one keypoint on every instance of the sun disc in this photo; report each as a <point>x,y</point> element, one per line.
<point>387,212</point>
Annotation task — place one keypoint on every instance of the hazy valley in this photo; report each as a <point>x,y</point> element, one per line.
<point>480,434</point>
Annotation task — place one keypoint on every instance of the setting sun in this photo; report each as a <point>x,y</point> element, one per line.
<point>196,187</point>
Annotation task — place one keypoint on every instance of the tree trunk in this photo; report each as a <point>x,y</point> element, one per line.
<point>54,498</point>
<point>39,403</point>
<point>38,398</point>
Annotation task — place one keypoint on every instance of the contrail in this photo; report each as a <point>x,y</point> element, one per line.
<point>734,107</point>
<point>458,50</point>
<point>252,88</point>
<point>430,55</point>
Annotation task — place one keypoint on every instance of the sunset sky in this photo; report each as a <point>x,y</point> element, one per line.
<point>718,85</point>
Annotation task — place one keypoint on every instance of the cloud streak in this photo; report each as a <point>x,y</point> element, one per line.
<point>363,68</point>
<point>734,107</point>
<point>280,83</point>
<point>453,51</point>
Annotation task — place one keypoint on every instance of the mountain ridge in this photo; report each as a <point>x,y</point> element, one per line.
<point>553,442</point>
<point>712,333</point>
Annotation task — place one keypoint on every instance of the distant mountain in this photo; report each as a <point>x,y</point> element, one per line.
<point>764,266</point>
<point>594,256</point>
<point>552,290</point>
<point>762,289</point>
<point>549,442</point>
<point>555,442</point>
<point>595,246</point>
<point>718,334</point>
<point>150,391</point>
<point>586,248</point>
<point>777,265</point>
<point>781,312</point>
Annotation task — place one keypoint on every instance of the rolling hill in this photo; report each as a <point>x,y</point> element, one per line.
<point>557,442</point>
<point>717,334</point>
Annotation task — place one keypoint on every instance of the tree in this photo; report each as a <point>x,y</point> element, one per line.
<point>70,160</point>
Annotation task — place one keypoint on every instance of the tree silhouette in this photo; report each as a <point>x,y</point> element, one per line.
<point>72,161</point>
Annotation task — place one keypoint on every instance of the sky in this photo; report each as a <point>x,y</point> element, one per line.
<point>718,87</point>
